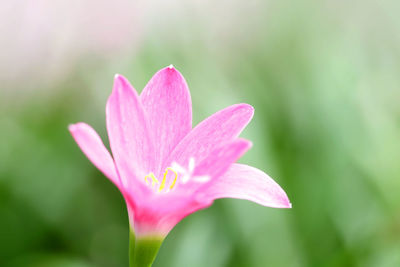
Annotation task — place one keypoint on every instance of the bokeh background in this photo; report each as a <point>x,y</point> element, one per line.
<point>323,76</point>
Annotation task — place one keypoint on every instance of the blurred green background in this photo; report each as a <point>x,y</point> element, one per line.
<point>323,77</point>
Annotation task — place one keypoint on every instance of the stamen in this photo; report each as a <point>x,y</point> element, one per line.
<point>163,181</point>
<point>154,180</point>
<point>162,186</point>
<point>191,164</point>
<point>184,176</point>
<point>176,177</point>
<point>178,167</point>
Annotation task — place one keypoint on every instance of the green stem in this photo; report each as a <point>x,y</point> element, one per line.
<point>132,241</point>
<point>143,250</point>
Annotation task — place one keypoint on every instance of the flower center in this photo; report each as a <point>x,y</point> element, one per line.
<point>155,181</point>
<point>185,175</point>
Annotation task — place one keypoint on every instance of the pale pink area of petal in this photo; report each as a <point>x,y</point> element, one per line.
<point>219,160</point>
<point>92,146</point>
<point>246,182</point>
<point>219,128</point>
<point>167,102</point>
<point>130,137</point>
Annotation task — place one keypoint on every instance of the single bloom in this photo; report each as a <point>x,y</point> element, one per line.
<point>164,168</point>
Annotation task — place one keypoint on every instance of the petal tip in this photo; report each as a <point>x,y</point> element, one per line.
<point>170,70</point>
<point>119,78</point>
<point>250,144</point>
<point>167,76</point>
<point>244,144</point>
<point>74,126</point>
<point>122,84</point>
<point>285,202</point>
<point>247,143</point>
<point>248,108</point>
<point>71,127</point>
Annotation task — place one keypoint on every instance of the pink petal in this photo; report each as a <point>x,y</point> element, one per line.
<point>130,139</point>
<point>166,99</point>
<point>219,160</point>
<point>153,222</point>
<point>92,146</point>
<point>220,127</point>
<point>246,182</point>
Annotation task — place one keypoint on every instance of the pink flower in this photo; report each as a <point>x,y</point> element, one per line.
<point>165,169</point>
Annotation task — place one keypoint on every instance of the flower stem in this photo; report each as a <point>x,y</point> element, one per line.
<point>132,241</point>
<point>143,251</point>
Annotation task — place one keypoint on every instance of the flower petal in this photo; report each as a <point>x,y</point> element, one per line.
<point>246,182</point>
<point>130,139</point>
<point>166,99</point>
<point>92,146</point>
<point>151,221</point>
<point>219,160</point>
<point>220,127</point>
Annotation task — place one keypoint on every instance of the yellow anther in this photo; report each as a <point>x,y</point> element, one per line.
<point>176,177</point>
<point>162,186</point>
<point>153,179</point>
